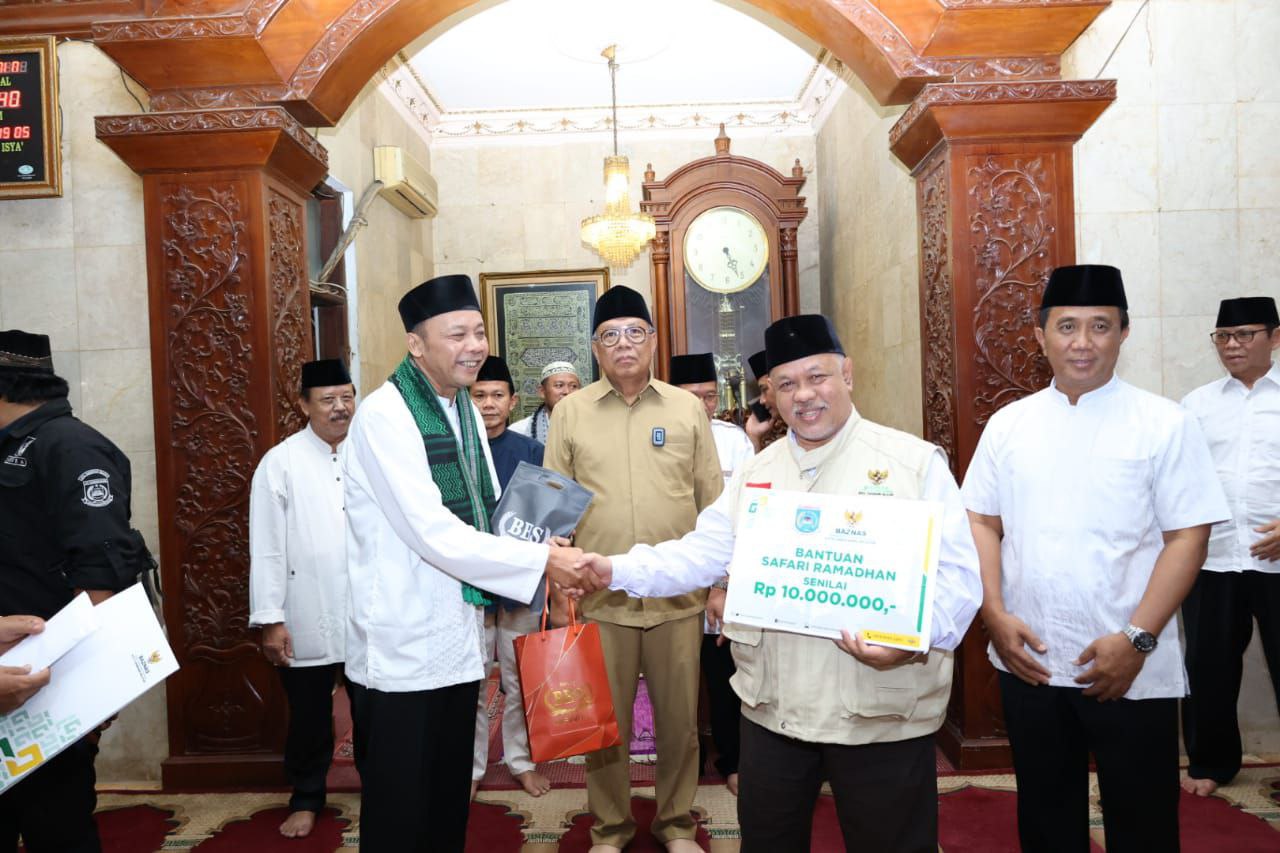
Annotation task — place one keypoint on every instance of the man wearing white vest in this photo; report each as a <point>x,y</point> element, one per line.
<point>861,716</point>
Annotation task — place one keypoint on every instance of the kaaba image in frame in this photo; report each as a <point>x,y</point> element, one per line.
<point>534,318</point>
<point>725,259</point>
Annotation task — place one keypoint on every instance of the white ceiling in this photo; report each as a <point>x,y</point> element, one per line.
<point>545,55</point>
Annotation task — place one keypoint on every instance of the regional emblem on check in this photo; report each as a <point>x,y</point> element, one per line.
<point>819,564</point>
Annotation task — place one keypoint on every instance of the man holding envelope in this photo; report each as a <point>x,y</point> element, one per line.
<point>862,716</point>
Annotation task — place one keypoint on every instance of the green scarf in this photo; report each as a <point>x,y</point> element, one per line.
<point>463,478</point>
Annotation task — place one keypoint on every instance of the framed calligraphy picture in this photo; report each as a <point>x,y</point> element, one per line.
<point>535,318</point>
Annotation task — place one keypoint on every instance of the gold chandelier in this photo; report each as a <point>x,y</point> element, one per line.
<point>619,234</point>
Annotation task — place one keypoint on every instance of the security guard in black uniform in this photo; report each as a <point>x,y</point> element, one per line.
<point>64,527</point>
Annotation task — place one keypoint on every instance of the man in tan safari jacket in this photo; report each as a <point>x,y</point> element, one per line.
<point>859,715</point>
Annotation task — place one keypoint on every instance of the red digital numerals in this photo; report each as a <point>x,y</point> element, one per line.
<point>22,131</point>
<point>10,99</point>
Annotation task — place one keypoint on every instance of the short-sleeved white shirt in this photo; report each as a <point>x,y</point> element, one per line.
<point>1085,493</point>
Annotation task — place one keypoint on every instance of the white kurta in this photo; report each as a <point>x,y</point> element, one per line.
<point>1242,426</point>
<point>297,547</point>
<point>1084,493</point>
<point>525,426</point>
<point>732,446</point>
<point>701,557</point>
<point>408,626</point>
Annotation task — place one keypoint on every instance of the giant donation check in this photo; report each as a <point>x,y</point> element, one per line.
<point>818,564</point>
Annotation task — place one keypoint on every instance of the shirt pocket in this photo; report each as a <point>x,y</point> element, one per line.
<point>1118,491</point>
<point>748,659</point>
<point>673,463</point>
<point>872,693</point>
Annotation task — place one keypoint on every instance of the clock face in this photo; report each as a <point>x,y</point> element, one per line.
<point>725,249</point>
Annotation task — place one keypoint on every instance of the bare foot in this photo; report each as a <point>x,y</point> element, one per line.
<point>1199,787</point>
<point>683,845</point>
<point>534,783</point>
<point>298,824</point>
<point>604,848</point>
<point>732,783</point>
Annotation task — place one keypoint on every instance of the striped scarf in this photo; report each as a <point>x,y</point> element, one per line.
<point>461,474</point>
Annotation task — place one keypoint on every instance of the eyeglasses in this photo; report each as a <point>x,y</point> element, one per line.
<point>1243,336</point>
<point>635,334</point>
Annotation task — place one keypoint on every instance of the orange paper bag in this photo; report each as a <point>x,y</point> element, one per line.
<point>568,707</point>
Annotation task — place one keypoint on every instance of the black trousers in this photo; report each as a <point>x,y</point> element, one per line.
<point>717,669</point>
<point>52,809</point>
<point>308,748</point>
<point>886,794</point>
<point>1134,743</point>
<point>413,751</point>
<point>1218,618</point>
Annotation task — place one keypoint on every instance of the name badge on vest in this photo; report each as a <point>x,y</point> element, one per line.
<point>659,436</point>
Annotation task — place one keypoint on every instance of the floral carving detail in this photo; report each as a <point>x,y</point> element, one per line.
<point>216,97</point>
<point>160,29</point>
<point>291,343</point>
<point>787,237</point>
<point>213,430</point>
<point>937,304</point>
<point>255,118</point>
<point>1011,227</point>
<point>335,39</point>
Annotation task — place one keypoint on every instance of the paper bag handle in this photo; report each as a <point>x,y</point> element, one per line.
<point>546,608</point>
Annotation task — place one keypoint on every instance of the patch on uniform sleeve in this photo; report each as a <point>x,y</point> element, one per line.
<point>17,458</point>
<point>97,488</point>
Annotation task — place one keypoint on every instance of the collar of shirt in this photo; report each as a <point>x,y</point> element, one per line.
<point>809,461</point>
<point>1090,398</point>
<point>319,443</point>
<point>1230,383</point>
<point>602,388</point>
<point>29,422</point>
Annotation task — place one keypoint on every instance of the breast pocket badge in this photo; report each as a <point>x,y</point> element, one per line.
<point>97,488</point>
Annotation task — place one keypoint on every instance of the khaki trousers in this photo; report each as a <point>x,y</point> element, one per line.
<point>669,657</point>
<point>501,628</point>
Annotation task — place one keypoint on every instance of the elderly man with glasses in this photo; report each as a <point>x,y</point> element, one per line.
<point>646,450</point>
<point>1240,582</point>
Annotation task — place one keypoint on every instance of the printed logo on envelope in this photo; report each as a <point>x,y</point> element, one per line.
<point>807,518</point>
<point>17,762</point>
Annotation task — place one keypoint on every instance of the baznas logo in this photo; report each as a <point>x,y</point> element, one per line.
<point>807,519</point>
<point>852,517</point>
<point>17,762</point>
<point>154,657</point>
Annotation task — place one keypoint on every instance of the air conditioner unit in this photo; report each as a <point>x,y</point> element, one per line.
<point>405,182</point>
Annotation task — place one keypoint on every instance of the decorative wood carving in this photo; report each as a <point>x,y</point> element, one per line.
<point>937,303</point>
<point>256,118</point>
<point>218,97</point>
<point>291,325</point>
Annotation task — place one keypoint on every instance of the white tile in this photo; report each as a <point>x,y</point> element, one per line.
<point>1197,156</point>
<point>38,294</point>
<point>1131,242</point>
<point>67,365</point>
<point>1117,162</point>
<point>111,286</point>
<point>1199,261</point>
<point>1132,63</point>
<point>1259,252</point>
<point>1140,356</point>
<point>1257,34</point>
<point>1188,355</point>
<point>1195,51</point>
<point>1259,163</point>
<point>116,390</point>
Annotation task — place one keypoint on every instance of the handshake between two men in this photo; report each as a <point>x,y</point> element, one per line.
<point>574,572</point>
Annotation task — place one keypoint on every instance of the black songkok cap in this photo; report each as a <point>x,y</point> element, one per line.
<point>619,301</point>
<point>495,369</point>
<point>438,295</point>
<point>25,352</point>
<point>759,365</point>
<point>798,337</point>
<point>1084,284</point>
<point>1247,310</point>
<point>324,373</point>
<point>692,369</point>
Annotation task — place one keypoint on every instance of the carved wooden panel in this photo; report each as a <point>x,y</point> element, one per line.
<point>291,324</point>
<point>937,305</point>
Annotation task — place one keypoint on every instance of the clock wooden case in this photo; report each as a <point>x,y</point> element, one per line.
<point>726,238</point>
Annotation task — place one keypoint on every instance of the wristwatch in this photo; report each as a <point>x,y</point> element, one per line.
<point>1143,641</point>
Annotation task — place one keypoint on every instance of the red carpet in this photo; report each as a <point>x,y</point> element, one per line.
<point>1206,822</point>
<point>491,829</point>
<point>261,831</point>
<point>578,838</point>
<point>133,829</point>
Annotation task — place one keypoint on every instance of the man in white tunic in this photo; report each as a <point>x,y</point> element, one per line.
<point>1091,504</point>
<point>298,578</point>
<point>1240,582</point>
<point>858,715</point>
<point>696,373</point>
<point>559,380</point>
<point>420,489</point>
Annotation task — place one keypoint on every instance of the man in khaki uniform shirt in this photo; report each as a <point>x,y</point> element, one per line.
<point>645,448</point>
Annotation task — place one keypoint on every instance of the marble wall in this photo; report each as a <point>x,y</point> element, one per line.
<point>870,258</point>
<point>393,253</point>
<point>1178,184</point>
<point>517,207</point>
<point>75,268</point>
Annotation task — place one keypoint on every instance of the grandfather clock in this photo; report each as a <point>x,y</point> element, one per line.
<point>724,259</point>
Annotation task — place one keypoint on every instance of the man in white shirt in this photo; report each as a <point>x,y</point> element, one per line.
<point>559,380</point>
<point>696,373</point>
<point>858,715</point>
<point>420,490</point>
<point>1240,416</point>
<point>1091,503</point>
<point>298,578</point>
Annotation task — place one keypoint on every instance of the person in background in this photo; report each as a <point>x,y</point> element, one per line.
<point>494,394</point>
<point>559,380</point>
<point>763,431</point>
<point>697,375</point>
<point>1240,581</point>
<point>298,578</point>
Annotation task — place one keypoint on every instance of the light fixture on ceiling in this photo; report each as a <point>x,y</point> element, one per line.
<point>619,234</point>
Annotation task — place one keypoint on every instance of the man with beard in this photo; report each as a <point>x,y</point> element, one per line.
<point>494,394</point>
<point>858,715</point>
<point>298,578</point>
<point>559,380</point>
<point>420,489</point>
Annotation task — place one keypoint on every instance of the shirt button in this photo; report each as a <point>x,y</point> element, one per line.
<point>784,724</point>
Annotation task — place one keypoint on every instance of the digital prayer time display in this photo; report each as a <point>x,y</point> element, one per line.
<point>30,163</point>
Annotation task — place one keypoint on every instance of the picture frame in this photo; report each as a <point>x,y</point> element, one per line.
<point>534,318</point>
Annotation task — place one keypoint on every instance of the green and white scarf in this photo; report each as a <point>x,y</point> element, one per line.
<point>462,477</point>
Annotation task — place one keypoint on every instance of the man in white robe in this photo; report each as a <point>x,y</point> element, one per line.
<point>298,578</point>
